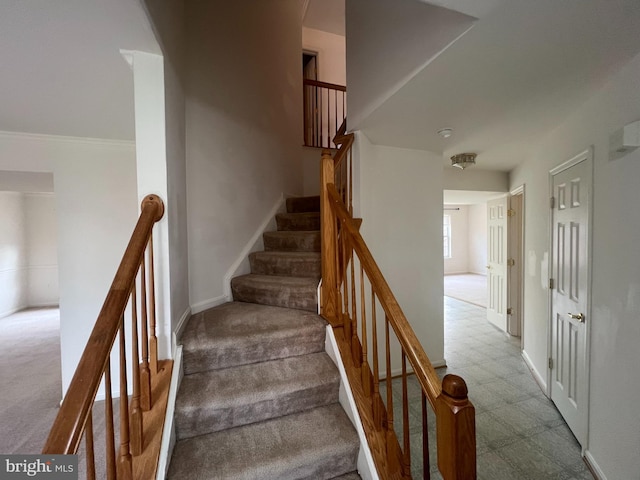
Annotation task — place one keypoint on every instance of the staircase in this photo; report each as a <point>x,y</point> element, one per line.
<point>259,395</point>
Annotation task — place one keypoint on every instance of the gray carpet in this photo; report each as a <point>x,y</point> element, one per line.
<point>259,399</point>
<point>30,378</point>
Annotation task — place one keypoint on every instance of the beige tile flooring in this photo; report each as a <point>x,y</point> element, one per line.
<point>520,434</point>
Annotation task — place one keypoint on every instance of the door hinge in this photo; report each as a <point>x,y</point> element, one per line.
<point>552,202</point>
<point>552,284</point>
<point>550,363</point>
<point>511,262</point>
<point>511,212</point>
<point>509,311</point>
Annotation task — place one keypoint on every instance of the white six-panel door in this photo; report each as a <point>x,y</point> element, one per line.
<point>497,262</point>
<point>569,294</point>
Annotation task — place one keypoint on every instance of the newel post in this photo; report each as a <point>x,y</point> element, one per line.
<point>456,430</point>
<point>328,232</point>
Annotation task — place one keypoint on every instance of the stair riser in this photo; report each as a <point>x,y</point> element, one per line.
<point>213,420</point>
<point>302,242</point>
<point>254,350</point>
<point>303,204</point>
<point>298,298</point>
<point>294,267</point>
<point>298,222</point>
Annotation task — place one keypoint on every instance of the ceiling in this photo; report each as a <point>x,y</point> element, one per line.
<point>512,78</point>
<point>62,72</point>
<point>325,15</point>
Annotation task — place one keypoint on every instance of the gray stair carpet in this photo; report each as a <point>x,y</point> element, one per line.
<point>259,396</point>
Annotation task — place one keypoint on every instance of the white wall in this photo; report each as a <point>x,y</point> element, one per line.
<point>614,422</point>
<point>459,261</point>
<point>13,254</point>
<point>34,182</point>
<point>97,208</point>
<point>377,30</point>
<point>244,129</point>
<point>41,237</point>
<point>477,239</point>
<point>400,200</point>
<point>475,180</point>
<point>332,55</point>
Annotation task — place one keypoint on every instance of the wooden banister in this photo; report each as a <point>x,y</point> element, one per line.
<point>137,455</point>
<point>331,86</point>
<point>351,309</point>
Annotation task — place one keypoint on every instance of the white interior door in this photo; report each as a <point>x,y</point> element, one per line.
<point>497,262</point>
<point>569,296</point>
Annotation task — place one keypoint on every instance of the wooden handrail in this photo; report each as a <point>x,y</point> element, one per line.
<point>330,86</point>
<point>68,427</point>
<point>416,355</point>
<point>353,318</point>
<point>325,107</point>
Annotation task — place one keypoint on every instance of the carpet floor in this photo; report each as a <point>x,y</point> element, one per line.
<point>468,287</point>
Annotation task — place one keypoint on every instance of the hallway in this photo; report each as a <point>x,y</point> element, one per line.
<point>520,434</point>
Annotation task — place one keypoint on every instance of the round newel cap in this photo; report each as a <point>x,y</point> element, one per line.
<point>154,200</point>
<point>454,386</point>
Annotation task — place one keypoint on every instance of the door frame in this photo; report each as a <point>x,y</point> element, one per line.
<point>516,282</point>
<point>584,156</point>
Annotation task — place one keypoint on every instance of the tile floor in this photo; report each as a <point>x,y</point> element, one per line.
<point>520,434</point>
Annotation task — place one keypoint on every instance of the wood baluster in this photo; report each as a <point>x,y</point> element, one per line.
<point>91,463</point>
<point>393,454</point>
<point>406,457</point>
<point>335,109</point>
<point>456,430</point>
<point>378,406</point>
<point>345,287</point>
<point>339,259</point>
<point>365,372</point>
<point>125,465</point>
<point>328,118</point>
<point>305,116</point>
<point>355,343</point>
<point>426,462</point>
<point>153,339</point>
<point>145,371</point>
<point>109,432</point>
<point>136,411</point>
<point>328,232</point>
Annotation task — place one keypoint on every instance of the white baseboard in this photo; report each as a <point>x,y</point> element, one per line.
<point>241,265</point>
<point>210,303</point>
<point>593,465</point>
<point>182,323</point>
<point>6,313</point>
<point>168,431</point>
<point>536,375</point>
<point>366,467</point>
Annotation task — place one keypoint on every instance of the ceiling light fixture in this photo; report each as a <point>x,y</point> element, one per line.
<point>463,160</point>
<point>445,132</point>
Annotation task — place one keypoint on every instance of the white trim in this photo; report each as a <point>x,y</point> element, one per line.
<point>65,139</point>
<point>168,431</point>
<point>12,311</point>
<point>366,467</point>
<point>536,375</point>
<point>209,303</point>
<point>254,244</point>
<point>177,333</point>
<point>593,465</point>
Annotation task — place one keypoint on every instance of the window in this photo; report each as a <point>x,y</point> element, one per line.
<point>446,235</point>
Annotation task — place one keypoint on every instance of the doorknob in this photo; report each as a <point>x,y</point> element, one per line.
<point>577,316</point>
<point>489,266</point>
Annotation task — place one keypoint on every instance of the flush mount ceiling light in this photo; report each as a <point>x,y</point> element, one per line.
<point>463,160</point>
<point>445,132</point>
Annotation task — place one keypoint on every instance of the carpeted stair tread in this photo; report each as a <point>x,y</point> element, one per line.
<point>216,400</point>
<point>303,204</point>
<point>294,241</point>
<point>291,292</point>
<point>294,264</point>
<point>317,444</point>
<point>348,476</point>
<point>239,333</point>
<point>298,221</point>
